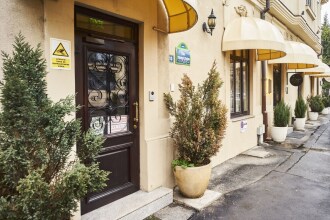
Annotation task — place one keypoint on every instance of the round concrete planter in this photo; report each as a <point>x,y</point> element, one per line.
<point>192,181</point>
<point>313,116</point>
<point>325,111</point>
<point>279,133</point>
<point>300,123</point>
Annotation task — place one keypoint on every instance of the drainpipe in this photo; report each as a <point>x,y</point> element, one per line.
<point>263,79</point>
<point>266,9</point>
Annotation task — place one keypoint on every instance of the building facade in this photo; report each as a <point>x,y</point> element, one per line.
<point>121,58</point>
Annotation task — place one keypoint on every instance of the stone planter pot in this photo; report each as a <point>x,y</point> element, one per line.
<point>313,116</point>
<point>325,111</point>
<point>300,123</point>
<point>192,181</point>
<point>279,133</point>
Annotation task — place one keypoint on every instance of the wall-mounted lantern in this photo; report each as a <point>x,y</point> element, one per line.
<point>210,23</point>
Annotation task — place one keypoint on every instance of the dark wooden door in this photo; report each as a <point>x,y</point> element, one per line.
<point>107,90</point>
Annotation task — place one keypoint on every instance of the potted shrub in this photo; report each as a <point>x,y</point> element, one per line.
<point>316,105</point>
<point>326,103</point>
<point>281,121</point>
<point>300,113</point>
<point>197,132</point>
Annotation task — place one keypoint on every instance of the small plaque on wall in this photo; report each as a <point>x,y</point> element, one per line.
<point>182,55</point>
<point>244,126</point>
<point>171,59</point>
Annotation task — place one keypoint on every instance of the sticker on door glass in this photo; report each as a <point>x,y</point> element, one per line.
<point>97,125</point>
<point>118,123</point>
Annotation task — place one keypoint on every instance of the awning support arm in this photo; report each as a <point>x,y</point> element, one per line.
<point>159,30</point>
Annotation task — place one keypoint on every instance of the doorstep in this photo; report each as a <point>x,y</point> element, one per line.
<point>197,203</point>
<point>138,205</point>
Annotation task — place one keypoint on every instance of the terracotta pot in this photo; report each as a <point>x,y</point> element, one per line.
<point>300,123</point>
<point>279,133</point>
<point>192,181</point>
<point>313,116</point>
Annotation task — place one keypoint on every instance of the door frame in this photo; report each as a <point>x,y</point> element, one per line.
<point>81,85</point>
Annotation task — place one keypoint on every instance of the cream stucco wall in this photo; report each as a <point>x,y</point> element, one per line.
<point>17,16</point>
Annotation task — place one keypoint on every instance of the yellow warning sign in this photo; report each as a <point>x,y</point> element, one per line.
<point>60,51</point>
<point>60,54</point>
<point>60,63</point>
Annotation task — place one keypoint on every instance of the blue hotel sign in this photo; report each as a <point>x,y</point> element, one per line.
<point>182,55</point>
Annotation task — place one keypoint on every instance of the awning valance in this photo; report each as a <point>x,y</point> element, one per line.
<point>181,15</point>
<point>322,68</point>
<point>298,56</point>
<point>246,33</point>
<point>321,75</point>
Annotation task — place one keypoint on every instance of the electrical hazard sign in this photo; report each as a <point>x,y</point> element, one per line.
<point>60,54</point>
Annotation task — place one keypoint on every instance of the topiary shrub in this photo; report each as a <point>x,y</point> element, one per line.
<point>37,179</point>
<point>315,103</point>
<point>200,120</point>
<point>300,108</point>
<point>281,114</point>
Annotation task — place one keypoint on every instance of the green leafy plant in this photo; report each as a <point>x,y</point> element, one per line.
<point>326,101</point>
<point>281,114</point>
<point>300,108</point>
<point>182,163</point>
<point>37,178</point>
<point>315,103</point>
<point>200,119</point>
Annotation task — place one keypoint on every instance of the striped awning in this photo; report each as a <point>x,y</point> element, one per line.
<point>322,68</point>
<point>246,33</point>
<point>298,56</point>
<point>181,15</point>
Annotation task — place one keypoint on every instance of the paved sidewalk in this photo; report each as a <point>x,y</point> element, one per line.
<point>291,182</point>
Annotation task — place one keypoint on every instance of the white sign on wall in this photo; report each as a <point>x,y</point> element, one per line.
<point>60,54</point>
<point>244,126</point>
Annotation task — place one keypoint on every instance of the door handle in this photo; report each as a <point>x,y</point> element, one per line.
<point>136,119</point>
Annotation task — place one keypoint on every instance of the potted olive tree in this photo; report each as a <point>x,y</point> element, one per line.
<point>300,113</point>
<point>316,105</point>
<point>197,132</point>
<point>281,121</point>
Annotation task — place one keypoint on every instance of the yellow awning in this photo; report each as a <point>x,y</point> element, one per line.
<point>181,15</point>
<point>246,33</point>
<point>322,68</point>
<point>298,56</point>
